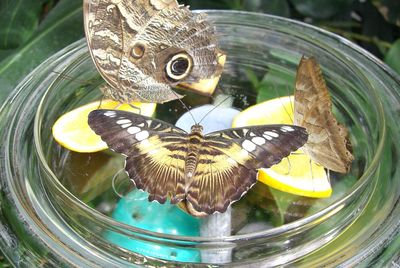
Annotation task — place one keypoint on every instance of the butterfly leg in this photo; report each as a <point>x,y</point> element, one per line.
<point>113,183</point>
<point>328,173</point>
<point>290,166</point>
<point>101,102</point>
<point>135,107</point>
<point>312,175</point>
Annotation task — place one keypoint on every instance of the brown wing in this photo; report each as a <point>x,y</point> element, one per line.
<point>155,151</point>
<point>328,142</point>
<point>227,163</point>
<point>132,42</point>
<point>219,181</point>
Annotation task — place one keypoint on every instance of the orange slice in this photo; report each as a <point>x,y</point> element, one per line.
<point>72,131</point>
<point>296,174</point>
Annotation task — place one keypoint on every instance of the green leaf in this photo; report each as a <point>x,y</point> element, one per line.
<point>100,181</point>
<point>251,75</point>
<point>392,58</point>
<point>321,9</point>
<point>275,7</point>
<point>18,19</point>
<point>283,201</point>
<point>62,26</point>
<point>4,53</point>
<point>277,82</point>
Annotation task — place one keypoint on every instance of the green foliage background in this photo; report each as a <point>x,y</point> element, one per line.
<point>32,30</point>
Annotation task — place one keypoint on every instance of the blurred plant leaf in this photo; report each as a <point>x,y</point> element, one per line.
<point>283,201</point>
<point>277,82</point>
<point>62,26</point>
<point>4,53</point>
<point>392,58</point>
<point>390,10</point>
<point>18,19</point>
<point>210,4</point>
<point>275,7</point>
<point>374,27</point>
<point>100,181</point>
<point>322,9</point>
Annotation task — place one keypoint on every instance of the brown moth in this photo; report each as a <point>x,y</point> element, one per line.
<point>204,173</point>
<point>328,142</point>
<point>143,47</point>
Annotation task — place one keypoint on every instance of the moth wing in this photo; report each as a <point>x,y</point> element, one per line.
<point>155,151</point>
<point>227,164</point>
<point>328,142</point>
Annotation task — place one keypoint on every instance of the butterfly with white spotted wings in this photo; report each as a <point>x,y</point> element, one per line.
<point>207,172</point>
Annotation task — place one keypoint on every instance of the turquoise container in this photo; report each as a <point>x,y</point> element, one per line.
<point>135,210</point>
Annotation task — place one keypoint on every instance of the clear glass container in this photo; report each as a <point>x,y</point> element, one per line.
<point>45,221</point>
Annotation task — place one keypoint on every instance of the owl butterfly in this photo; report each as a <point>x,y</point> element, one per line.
<point>204,173</point>
<point>143,47</point>
<point>328,142</point>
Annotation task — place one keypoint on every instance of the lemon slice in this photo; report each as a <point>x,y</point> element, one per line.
<point>296,174</point>
<point>72,131</point>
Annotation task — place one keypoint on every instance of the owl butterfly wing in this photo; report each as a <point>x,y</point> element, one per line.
<point>228,160</point>
<point>109,29</point>
<point>328,142</point>
<point>142,47</point>
<point>155,151</point>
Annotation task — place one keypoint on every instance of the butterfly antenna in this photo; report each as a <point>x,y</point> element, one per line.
<point>280,99</point>
<point>291,105</point>
<point>70,78</point>
<point>215,107</point>
<point>184,105</point>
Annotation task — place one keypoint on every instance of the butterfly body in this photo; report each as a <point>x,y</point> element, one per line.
<point>143,47</point>
<point>195,139</point>
<point>205,172</point>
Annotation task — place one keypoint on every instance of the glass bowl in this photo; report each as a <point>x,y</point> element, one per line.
<point>46,221</point>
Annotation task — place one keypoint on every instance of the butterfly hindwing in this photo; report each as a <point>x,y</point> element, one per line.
<point>228,161</point>
<point>155,151</point>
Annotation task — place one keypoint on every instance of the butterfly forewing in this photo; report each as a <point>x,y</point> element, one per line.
<point>209,172</point>
<point>328,142</point>
<point>155,151</point>
<point>265,145</point>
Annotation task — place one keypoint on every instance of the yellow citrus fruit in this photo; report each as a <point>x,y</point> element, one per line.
<point>72,131</point>
<point>296,174</point>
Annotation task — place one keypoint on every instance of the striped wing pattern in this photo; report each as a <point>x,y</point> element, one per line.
<point>154,149</point>
<point>229,159</point>
<point>226,166</point>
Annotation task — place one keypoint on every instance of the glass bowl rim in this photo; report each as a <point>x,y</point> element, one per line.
<point>365,178</point>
